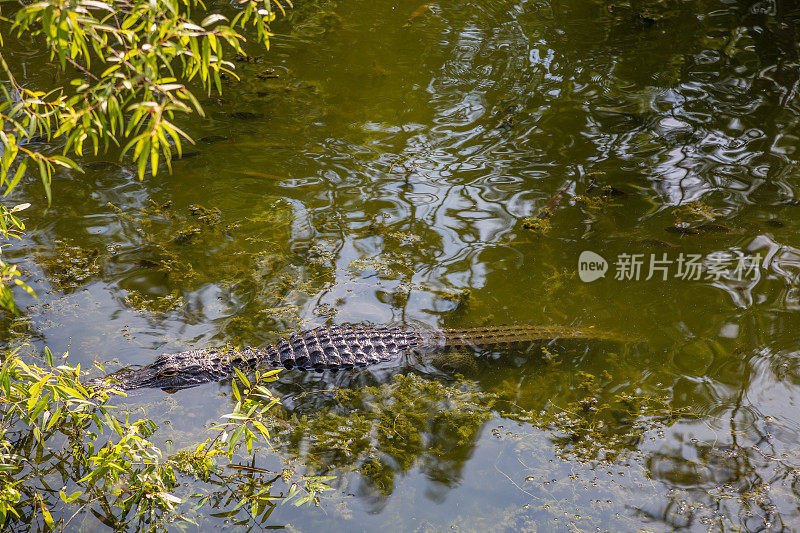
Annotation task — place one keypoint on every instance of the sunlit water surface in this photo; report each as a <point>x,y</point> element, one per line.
<point>448,171</point>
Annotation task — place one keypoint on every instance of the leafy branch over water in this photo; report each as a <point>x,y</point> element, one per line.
<point>131,65</point>
<point>134,59</point>
<point>56,460</point>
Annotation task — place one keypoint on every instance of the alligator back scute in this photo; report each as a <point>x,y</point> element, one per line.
<point>337,347</point>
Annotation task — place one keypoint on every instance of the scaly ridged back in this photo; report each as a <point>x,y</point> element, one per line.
<point>341,347</point>
<point>330,348</point>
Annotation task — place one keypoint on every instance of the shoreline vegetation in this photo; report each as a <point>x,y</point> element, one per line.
<point>129,67</point>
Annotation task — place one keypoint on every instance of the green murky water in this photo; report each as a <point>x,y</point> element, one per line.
<point>449,171</point>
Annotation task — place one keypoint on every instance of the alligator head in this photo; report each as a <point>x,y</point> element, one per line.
<point>183,369</point>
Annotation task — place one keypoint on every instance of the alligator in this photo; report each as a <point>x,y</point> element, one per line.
<point>326,348</point>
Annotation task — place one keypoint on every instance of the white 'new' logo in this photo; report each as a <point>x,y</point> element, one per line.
<point>591,266</point>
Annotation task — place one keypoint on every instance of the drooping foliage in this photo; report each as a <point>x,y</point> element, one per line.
<point>130,68</point>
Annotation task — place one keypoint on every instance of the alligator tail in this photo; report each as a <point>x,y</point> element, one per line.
<point>484,336</point>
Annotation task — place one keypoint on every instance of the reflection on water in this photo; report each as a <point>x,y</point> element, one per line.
<point>398,172</point>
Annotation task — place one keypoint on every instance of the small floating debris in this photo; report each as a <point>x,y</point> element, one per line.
<point>267,145</point>
<point>246,115</point>
<point>646,19</point>
<point>794,202</point>
<point>158,208</point>
<point>685,228</point>
<point>609,190</point>
<point>713,228</point>
<point>209,217</point>
<point>507,122</point>
<point>656,243</point>
<point>213,101</point>
<point>267,74</point>
<point>605,190</point>
<point>254,174</point>
<point>540,223</point>
<point>186,236</point>
<point>211,139</point>
<point>682,228</point>
<point>459,297</point>
<point>244,58</point>
<point>148,263</point>
<point>102,165</point>
<point>421,10</point>
<point>184,155</point>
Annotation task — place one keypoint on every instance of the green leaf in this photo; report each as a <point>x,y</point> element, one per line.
<point>44,172</point>
<point>17,177</point>
<point>261,428</point>
<point>7,300</point>
<point>271,374</point>
<point>236,436</point>
<point>142,164</point>
<point>25,287</point>
<point>170,497</point>
<point>154,158</point>
<point>66,162</point>
<point>33,394</point>
<point>235,389</point>
<point>264,391</point>
<point>233,416</point>
<point>242,378</point>
<point>69,498</point>
<point>212,19</point>
<point>40,406</point>
<point>48,518</point>
<point>54,419</point>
